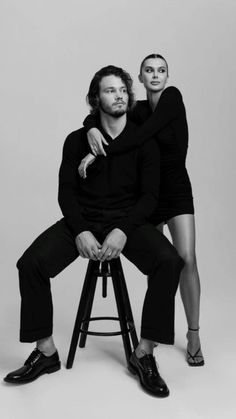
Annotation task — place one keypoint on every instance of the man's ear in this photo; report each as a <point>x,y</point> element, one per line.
<point>96,100</point>
<point>140,78</point>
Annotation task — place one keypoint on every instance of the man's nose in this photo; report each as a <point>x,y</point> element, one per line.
<point>119,95</point>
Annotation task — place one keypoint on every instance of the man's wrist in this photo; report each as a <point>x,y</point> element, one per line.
<point>81,233</point>
<point>120,231</point>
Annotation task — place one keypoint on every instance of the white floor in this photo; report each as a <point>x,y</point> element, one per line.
<point>99,385</point>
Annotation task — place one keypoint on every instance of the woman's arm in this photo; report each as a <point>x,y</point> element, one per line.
<point>169,109</point>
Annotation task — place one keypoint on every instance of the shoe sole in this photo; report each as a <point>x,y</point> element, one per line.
<point>134,371</point>
<point>46,371</point>
<point>196,364</point>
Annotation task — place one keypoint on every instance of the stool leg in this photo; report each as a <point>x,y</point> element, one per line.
<point>128,309</point>
<point>80,312</point>
<point>120,308</point>
<point>87,311</point>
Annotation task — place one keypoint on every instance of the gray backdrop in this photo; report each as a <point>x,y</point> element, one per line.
<point>50,50</point>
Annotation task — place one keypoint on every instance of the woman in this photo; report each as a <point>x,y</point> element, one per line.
<point>163,116</point>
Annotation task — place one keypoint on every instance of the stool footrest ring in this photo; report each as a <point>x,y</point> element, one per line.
<point>120,332</point>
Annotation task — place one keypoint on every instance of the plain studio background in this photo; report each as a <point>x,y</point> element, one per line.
<point>50,50</point>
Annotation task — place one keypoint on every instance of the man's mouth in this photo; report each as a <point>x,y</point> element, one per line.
<point>119,103</point>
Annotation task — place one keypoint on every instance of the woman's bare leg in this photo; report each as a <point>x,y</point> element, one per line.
<point>182,230</point>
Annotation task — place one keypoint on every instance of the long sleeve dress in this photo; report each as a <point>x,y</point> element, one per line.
<point>168,125</point>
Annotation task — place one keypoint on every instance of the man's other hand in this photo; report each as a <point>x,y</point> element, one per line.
<point>113,245</point>
<point>87,245</point>
<point>85,162</point>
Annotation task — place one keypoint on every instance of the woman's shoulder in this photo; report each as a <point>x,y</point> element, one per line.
<point>141,104</point>
<point>172,92</point>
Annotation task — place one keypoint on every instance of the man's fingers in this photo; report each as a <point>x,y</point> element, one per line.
<point>85,170</point>
<point>112,255</point>
<point>98,244</point>
<point>107,254</point>
<point>82,170</point>
<point>81,253</point>
<point>96,253</point>
<point>104,253</point>
<point>93,255</point>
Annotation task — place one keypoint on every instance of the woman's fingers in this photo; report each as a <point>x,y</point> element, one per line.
<point>94,150</point>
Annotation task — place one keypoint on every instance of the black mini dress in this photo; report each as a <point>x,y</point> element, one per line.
<point>168,125</point>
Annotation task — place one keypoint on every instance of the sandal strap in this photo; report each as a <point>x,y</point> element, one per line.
<point>194,330</point>
<point>195,355</point>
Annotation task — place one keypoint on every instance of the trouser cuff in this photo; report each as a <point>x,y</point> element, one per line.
<point>34,335</point>
<point>157,336</point>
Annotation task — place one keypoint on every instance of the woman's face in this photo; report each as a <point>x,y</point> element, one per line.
<point>154,74</point>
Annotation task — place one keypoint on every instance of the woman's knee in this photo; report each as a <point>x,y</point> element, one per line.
<point>189,259</point>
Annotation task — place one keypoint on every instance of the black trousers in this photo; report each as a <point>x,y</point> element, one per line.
<point>55,249</point>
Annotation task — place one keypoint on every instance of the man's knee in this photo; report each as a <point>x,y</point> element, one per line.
<point>26,262</point>
<point>170,258</point>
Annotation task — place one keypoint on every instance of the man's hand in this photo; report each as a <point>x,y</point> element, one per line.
<point>96,139</point>
<point>85,162</point>
<point>113,245</point>
<point>87,245</point>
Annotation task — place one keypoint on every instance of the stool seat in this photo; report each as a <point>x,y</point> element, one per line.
<point>107,269</point>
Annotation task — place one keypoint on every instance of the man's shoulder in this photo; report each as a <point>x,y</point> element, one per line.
<point>77,134</point>
<point>75,138</point>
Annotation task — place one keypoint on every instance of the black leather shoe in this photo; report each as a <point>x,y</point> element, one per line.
<point>149,376</point>
<point>36,365</point>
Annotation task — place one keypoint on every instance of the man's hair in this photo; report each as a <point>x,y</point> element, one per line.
<point>110,70</point>
<point>153,56</point>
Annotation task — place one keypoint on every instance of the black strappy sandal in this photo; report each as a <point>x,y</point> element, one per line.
<point>195,356</point>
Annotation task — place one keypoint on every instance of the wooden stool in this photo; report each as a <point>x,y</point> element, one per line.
<point>106,269</point>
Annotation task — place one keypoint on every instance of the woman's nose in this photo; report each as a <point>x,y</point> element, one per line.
<point>155,74</point>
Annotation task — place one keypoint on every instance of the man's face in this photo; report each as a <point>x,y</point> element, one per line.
<point>113,96</point>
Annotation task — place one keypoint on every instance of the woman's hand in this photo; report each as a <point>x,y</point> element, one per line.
<point>96,141</point>
<point>87,160</point>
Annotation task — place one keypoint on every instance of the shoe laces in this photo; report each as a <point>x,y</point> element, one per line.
<point>34,357</point>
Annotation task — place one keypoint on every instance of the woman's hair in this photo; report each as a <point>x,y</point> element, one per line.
<point>153,56</point>
<point>110,70</point>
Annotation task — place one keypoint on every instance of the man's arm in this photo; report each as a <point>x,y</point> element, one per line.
<point>68,198</point>
<point>68,192</point>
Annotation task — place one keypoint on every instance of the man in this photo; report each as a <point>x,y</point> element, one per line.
<point>104,215</point>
